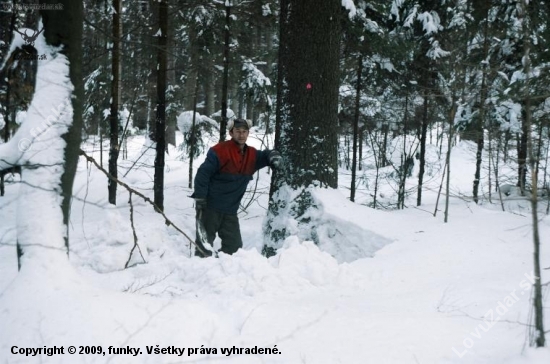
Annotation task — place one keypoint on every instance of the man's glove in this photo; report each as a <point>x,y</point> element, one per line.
<point>200,204</point>
<point>275,159</point>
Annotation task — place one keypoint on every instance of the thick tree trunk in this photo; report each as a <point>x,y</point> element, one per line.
<point>65,28</point>
<point>307,107</point>
<point>7,36</point>
<point>310,140</point>
<point>53,130</point>
<point>281,111</point>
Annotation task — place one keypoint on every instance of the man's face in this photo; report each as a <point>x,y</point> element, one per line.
<point>239,135</point>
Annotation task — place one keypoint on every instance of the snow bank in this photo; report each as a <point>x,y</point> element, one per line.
<point>346,240</point>
<point>296,267</point>
<point>344,232</point>
<point>173,301</point>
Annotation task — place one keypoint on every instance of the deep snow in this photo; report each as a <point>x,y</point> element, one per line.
<point>432,293</point>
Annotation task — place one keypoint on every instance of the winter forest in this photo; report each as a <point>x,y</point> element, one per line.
<point>409,221</point>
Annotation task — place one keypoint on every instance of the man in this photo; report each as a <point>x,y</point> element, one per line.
<point>220,184</point>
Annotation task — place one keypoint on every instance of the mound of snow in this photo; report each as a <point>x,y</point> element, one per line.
<point>346,239</point>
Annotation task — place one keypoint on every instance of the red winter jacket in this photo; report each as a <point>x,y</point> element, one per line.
<point>224,175</point>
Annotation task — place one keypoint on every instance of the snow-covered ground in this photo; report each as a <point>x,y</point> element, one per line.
<point>424,291</point>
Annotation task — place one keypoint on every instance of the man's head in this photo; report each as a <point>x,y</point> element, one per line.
<point>238,129</point>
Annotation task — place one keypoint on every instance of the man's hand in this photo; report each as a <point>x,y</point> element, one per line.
<point>200,204</point>
<point>275,159</point>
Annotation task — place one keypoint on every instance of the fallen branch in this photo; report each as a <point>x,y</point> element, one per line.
<point>134,233</point>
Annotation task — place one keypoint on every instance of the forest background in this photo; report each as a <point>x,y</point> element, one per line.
<point>341,85</point>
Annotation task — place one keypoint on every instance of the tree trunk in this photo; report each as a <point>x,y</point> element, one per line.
<point>190,82</point>
<point>356,127</point>
<point>170,80</point>
<point>233,102</point>
<point>448,158</point>
<point>307,107</point>
<point>538,308</point>
<point>209,93</point>
<point>8,36</point>
<point>225,85</point>
<point>160,125</point>
<point>193,139</point>
<point>72,40</point>
<point>422,160</point>
<point>384,150</point>
<point>489,164</point>
<point>480,137</point>
<point>281,111</point>
<point>240,103</point>
<point>249,106</point>
<point>522,155</point>
<point>479,158</point>
<point>115,100</point>
<point>361,132</point>
<point>152,78</point>
<point>310,141</point>
<point>50,161</point>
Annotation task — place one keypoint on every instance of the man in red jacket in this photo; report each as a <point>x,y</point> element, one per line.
<point>220,184</point>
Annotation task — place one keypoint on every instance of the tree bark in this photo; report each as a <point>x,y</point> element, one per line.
<point>225,85</point>
<point>307,108</point>
<point>160,125</point>
<point>422,160</point>
<point>448,158</point>
<point>480,137</point>
<point>538,308</point>
<point>115,99</point>
<point>356,127</point>
<point>522,154</point>
<point>193,139</point>
<point>170,80</point>
<point>310,140</point>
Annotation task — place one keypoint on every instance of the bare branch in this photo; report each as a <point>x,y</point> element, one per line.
<point>145,198</point>
<point>134,232</point>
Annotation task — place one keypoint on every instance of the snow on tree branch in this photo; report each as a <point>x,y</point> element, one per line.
<point>350,6</point>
